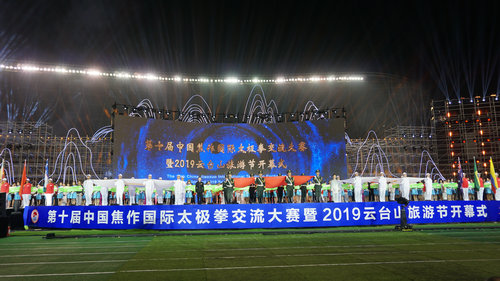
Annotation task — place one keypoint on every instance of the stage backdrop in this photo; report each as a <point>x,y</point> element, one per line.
<point>169,148</point>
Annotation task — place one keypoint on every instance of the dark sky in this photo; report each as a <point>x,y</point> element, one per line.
<point>424,49</point>
<point>252,37</point>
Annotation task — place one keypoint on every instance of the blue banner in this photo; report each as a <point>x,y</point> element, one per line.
<point>258,215</point>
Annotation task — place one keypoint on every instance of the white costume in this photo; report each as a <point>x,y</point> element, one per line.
<point>104,195</point>
<point>131,194</point>
<point>480,193</point>
<point>404,188</point>
<point>159,194</point>
<point>428,188</point>
<point>180,192</point>
<point>382,187</point>
<point>465,191</point>
<point>26,200</point>
<point>497,194</point>
<point>358,189</point>
<point>88,187</point>
<point>48,199</point>
<point>150,185</point>
<point>120,187</point>
<point>335,189</point>
<point>392,192</point>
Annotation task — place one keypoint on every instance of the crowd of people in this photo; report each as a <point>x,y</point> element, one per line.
<point>148,192</point>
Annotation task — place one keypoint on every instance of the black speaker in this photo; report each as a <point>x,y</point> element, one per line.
<point>3,204</point>
<point>4,226</point>
<point>16,221</point>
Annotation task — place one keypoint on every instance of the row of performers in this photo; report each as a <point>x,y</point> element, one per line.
<point>295,189</point>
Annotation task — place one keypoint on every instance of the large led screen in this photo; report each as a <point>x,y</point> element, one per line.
<point>169,148</point>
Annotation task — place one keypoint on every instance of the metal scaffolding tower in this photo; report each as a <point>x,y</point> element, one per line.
<point>67,156</point>
<point>410,149</point>
<point>467,129</point>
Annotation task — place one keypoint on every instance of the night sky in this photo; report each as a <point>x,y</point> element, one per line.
<point>449,49</point>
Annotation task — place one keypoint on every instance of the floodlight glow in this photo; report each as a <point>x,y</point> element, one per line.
<point>177,78</point>
<point>280,80</point>
<point>151,76</point>
<point>231,80</point>
<point>123,75</point>
<point>30,68</point>
<point>93,72</point>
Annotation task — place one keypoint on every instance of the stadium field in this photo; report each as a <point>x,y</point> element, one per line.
<point>431,253</point>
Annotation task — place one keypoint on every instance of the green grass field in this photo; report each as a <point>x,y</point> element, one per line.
<point>428,254</point>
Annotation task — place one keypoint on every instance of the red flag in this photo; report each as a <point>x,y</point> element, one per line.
<point>23,179</point>
<point>243,182</point>
<point>299,180</point>
<point>272,182</point>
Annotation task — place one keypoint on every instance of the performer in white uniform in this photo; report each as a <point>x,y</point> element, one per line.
<point>404,187</point>
<point>392,192</point>
<point>120,188</point>
<point>382,187</point>
<point>150,185</point>
<point>88,188</point>
<point>104,194</point>
<point>131,194</point>
<point>159,193</point>
<point>428,187</point>
<point>358,188</point>
<point>335,189</point>
<point>180,191</point>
